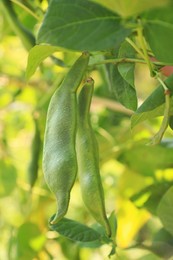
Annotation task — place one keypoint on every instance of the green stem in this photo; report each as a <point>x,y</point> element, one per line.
<point>127,60</point>
<point>24,7</point>
<point>162,83</point>
<point>144,49</point>
<point>135,47</point>
<point>158,137</point>
<point>119,60</point>
<point>25,35</point>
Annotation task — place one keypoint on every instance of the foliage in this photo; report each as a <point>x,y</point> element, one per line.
<point>130,45</point>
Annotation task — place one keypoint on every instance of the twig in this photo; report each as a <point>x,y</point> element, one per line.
<point>113,105</point>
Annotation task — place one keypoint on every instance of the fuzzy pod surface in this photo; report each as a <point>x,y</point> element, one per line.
<point>88,159</point>
<point>59,152</point>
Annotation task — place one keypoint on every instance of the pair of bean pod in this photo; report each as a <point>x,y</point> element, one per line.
<point>70,145</point>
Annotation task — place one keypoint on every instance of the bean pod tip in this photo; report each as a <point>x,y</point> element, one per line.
<point>89,80</point>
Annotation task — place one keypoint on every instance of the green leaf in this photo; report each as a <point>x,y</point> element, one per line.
<point>165,210</point>
<point>164,236</point>
<point>158,30</point>
<point>140,117</point>
<point>171,122</point>
<point>145,159</point>
<point>164,240</point>
<point>8,177</point>
<point>133,7</point>
<point>150,196</point>
<point>97,243</point>
<point>161,249</point>
<point>113,224</point>
<point>153,106</point>
<point>127,69</point>
<point>110,4</point>
<point>157,193</point>
<point>36,55</point>
<point>81,25</point>
<point>161,245</point>
<point>123,92</point>
<point>113,251</point>
<point>158,111</point>
<point>157,98</point>
<point>149,257</point>
<point>75,231</point>
<point>92,244</point>
<point>160,37</point>
<point>29,241</point>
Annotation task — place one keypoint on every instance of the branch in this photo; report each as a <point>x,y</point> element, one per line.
<point>113,105</point>
<point>128,60</point>
<point>158,137</point>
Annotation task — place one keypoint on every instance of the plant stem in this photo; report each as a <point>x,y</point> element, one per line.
<point>158,137</point>
<point>162,83</point>
<point>144,49</point>
<point>135,47</point>
<point>127,60</point>
<point>119,60</point>
<point>24,7</point>
<point>110,104</point>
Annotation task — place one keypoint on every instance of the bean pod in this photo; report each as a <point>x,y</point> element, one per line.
<point>88,159</point>
<point>59,153</point>
<point>35,155</point>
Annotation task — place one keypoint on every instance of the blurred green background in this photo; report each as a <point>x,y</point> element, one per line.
<point>24,213</point>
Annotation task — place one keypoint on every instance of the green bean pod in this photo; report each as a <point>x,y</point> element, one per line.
<point>88,159</point>
<point>35,155</point>
<point>25,35</point>
<point>59,153</point>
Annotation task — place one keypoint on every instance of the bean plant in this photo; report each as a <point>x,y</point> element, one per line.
<point>86,143</point>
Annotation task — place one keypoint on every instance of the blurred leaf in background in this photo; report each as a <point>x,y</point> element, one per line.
<point>137,178</point>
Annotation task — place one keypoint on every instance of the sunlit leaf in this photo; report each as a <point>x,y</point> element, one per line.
<point>133,7</point>
<point>36,55</point>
